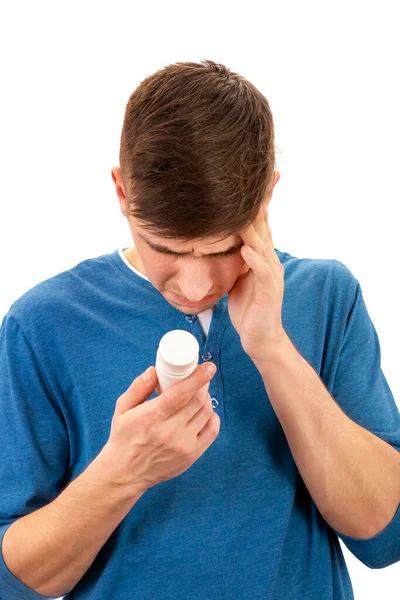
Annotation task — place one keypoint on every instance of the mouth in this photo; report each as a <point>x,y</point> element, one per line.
<point>186,302</point>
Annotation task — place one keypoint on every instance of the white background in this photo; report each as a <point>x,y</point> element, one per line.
<point>330,73</point>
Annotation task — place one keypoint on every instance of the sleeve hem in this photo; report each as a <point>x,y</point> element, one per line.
<point>15,588</point>
<point>380,550</point>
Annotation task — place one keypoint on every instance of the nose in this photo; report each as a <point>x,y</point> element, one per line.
<point>195,282</point>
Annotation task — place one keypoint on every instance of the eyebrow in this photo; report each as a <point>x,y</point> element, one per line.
<point>165,250</point>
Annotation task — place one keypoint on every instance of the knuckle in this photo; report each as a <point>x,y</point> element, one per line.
<point>208,406</point>
<point>160,413</point>
<point>172,400</point>
<point>162,437</point>
<point>181,449</point>
<point>201,401</point>
<point>145,422</point>
<point>176,397</point>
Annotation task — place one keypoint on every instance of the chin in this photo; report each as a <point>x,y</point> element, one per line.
<point>191,310</point>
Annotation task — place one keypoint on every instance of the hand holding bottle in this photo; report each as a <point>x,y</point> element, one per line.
<point>157,440</point>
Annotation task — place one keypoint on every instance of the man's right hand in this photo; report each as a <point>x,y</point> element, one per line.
<point>157,440</point>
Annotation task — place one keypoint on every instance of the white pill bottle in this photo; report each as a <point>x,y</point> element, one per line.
<point>177,357</point>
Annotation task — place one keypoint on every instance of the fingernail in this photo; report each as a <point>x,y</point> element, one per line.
<point>147,375</point>
<point>211,370</point>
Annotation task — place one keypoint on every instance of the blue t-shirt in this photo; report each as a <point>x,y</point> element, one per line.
<point>239,524</point>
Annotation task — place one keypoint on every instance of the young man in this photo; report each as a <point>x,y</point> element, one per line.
<point>308,435</point>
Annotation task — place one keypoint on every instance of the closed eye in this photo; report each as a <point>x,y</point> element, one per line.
<point>164,250</point>
<point>219,255</point>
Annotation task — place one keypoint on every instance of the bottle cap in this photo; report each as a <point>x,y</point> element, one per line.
<point>178,353</point>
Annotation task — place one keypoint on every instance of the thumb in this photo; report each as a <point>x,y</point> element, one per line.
<point>138,391</point>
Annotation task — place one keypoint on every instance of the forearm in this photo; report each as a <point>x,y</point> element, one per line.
<point>352,475</point>
<point>52,548</point>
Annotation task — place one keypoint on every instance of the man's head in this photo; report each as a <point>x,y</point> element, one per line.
<point>197,161</point>
<point>192,269</point>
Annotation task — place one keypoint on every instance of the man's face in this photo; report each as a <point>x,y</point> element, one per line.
<point>203,275</point>
<point>193,276</point>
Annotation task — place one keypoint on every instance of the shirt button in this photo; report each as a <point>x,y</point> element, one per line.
<point>206,356</point>
<point>214,402</point>
<point>191,318</point>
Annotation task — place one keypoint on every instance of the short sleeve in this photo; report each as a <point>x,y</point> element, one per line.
<point>362,391</point>
<point>33,440</point>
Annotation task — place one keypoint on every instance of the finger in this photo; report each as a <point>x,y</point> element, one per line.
<point>179,394</point>
<point>260,267</point>
<point>270,242</point>
<point>256,238</point>
<point>137,392</point>
<point>264,231</point>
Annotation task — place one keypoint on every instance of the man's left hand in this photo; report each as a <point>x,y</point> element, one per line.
<point>255,301</point>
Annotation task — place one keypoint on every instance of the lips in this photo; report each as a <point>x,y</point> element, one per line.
<point>188,303</point>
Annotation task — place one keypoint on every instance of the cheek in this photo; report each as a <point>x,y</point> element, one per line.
<point>162,267</point>
<point>230,270</point>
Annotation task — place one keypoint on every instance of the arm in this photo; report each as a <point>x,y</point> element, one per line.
<point>61,540</point>
<point>351,371</point>
<point>352,475</point>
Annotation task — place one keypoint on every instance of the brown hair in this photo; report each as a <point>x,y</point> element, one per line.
<point>197,152</point>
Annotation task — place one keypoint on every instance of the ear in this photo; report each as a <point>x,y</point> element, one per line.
<point>277,177</point>
<point>119,186</point>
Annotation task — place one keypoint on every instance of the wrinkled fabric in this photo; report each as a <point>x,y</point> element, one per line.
<point>240,522</point>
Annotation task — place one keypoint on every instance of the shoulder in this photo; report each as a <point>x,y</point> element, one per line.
<point>316,267</point>
<point>54,298</point>
<point>326,278</point>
